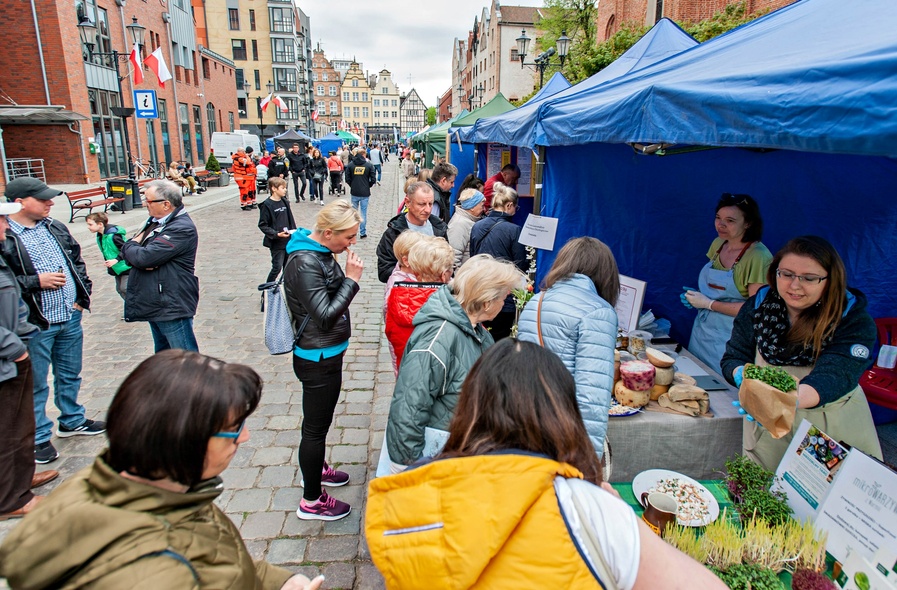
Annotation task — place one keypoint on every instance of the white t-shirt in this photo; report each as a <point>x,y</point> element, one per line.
<point>613,522</point>
<point>426,228</point>
<point>376,156</point>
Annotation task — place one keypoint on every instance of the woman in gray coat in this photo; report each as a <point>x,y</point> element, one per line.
<point>574,317</point>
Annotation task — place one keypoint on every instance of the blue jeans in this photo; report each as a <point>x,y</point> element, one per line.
<point>361,203</point>
<point>61,346</point>
<point>174,334</point>
<point>379,169</point>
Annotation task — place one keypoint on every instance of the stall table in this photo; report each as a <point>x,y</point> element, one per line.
<point>697,447</point>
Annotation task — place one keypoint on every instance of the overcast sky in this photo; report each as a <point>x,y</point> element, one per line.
<point>407,38</point>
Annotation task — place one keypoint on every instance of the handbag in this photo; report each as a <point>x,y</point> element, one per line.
<point>279,335</point>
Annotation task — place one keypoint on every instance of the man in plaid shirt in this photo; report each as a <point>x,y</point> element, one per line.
<point>53,278</point>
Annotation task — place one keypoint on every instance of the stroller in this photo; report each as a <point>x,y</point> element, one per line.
<point>336,183</point>
<point>261,178</point>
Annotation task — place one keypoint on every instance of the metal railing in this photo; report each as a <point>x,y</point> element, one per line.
<point>20,167</point>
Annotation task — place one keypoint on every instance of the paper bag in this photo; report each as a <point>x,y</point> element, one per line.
<point>773,409</point>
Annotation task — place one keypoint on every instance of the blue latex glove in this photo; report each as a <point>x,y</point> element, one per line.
<point>684,300</point>
<point>742,411</point>
<point>738,375</point>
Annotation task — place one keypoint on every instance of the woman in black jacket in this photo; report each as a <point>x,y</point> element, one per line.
<point>318,294</point>
<point>497,235</point>
<point>317,169</point>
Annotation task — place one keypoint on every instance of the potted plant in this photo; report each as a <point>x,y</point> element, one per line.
<point>214,167</point>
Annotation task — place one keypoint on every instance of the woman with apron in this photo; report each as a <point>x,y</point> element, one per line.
<point>808,322</point>
<point>737,268</point>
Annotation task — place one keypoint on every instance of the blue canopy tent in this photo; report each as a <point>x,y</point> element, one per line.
<point>805,101</point>
<point>330,143</point>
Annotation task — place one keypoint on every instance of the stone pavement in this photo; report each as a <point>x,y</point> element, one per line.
<point>262,483</point>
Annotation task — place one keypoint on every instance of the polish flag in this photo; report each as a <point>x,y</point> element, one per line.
<point>156,63</point>
<point>266,101</point>
<point>314,115</point>
<point>135,63</point>
<point>281,103</point>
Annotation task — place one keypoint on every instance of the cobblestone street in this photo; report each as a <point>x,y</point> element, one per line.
<point>262,483</point>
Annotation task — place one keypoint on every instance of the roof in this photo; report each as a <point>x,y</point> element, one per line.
<point>38,115</point>
<point>518,14</point>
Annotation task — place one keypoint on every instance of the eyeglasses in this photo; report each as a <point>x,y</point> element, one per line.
<point>789,276</point>
<point>145,200</point>
<point>228,434</point>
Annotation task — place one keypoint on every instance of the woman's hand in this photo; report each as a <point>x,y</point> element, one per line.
<point>698,300</point>
<point>111,263</point>
<point>300,582</point>
<point>354,266</point>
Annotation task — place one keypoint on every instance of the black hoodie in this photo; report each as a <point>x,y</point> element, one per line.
<point>361,176</point>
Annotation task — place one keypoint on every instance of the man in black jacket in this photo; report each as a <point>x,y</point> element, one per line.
<point>419,202</point>
<point>54,284</point>
<point>163,289</point>
<point>278,167</point>
<point>361,176</point>
<point>298,164</point>
<point>441,181</point>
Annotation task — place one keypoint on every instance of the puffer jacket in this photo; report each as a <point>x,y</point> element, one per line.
<point>315,284</point>
<point>405,300</point>
<point>492,521</point>
<point>131,535</point>
<point>458,235</point>
<point>581,328</point>
<point>439,354</point>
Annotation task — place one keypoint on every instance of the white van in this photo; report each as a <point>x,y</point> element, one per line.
<point>224,144</point>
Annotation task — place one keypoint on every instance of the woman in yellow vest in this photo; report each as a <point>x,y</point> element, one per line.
<point>515,500</point>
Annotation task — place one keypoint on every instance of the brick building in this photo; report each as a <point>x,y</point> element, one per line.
<point>612,14</point>
<point>326,81</point>
<point>444,110</point>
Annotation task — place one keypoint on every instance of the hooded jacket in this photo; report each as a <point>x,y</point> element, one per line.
<point>101,531</point>
<point>110,243</point>
<point>29,283</point>
<point>162,284</point>
<point>442,198</point>
<point>581,328</point>
<point>315,285</point>
<point>405,300</point>
<point>361,176</point>
<point>495,521</point>
<point>439,354</point>
<point>386,258</point>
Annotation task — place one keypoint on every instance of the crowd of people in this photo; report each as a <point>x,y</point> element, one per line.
<point>481,426</point>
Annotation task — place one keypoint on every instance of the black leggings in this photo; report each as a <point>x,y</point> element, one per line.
<point>321,384</point>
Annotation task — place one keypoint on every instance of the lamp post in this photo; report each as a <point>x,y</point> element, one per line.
<point>88,33</point>
<point>258,105</point>
<point>476,95</point>
<point>543,60</point>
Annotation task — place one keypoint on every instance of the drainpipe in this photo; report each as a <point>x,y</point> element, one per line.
<point>3,158</point>
<point>75,128</point>
<point>124,34</point>
<point>40,52</point>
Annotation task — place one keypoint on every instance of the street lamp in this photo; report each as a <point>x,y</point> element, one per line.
<point>476,95</point>
<point>88,33</point>
<point>543,60</point>
<point>258,105</point>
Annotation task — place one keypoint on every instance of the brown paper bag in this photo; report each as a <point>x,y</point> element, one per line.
<point>773,409</point>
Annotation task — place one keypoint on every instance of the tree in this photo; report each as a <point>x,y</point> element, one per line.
<point>431,116</point>
<point>212,164</point>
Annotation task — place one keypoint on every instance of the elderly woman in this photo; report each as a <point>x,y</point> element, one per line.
<point>574,317</point>
<point>448,338</point>
<point>144,512</point>
<point>811,324</point>
<point>467,213</point>
<point>515,499</point>
<point>318,294</point>
<point>176,175</point>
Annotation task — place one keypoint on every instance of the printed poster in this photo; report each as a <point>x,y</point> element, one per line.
<point>495,158</point>
<point>525,163</point>
<point>629,305</point>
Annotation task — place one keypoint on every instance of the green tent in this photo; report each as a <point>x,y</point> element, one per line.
<point>432,141</point>
<point>348,136</point>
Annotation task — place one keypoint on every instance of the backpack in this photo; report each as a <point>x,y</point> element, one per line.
<point>279,335</point>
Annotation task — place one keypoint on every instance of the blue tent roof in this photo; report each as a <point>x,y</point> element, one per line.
<point>817,75</point>
<point>665,39</point>
<point>554,85</point>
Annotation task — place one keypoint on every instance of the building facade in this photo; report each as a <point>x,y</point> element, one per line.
<point>385,114</point>
<point>356,98</point>
<point>444,110</point>
<point>326,82</point>
<point>413,113</point>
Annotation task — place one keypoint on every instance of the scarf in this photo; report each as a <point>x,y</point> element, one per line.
<point>771,326</point>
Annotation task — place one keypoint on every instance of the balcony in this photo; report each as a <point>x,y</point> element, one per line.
<point>282,26</point>
<point>285,57</point>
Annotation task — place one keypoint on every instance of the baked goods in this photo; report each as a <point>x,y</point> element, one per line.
<point>683,379</point>
<point>681,393</point>
<point>690,408</point>
<point>659,359</point>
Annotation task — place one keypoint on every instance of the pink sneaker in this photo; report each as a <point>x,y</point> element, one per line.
<point>325,508</point>
<point>331,478</point>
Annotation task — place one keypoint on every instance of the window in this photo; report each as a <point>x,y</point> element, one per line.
<point>355,83</point>
<point>230,121</point>
<point>197,129</point>
<point>355,112</point>
<point>395,103</point>
<point>210,117</point>
<point>251,20</point>
<point>258,80</point>
<point>376,102</point>
<point>239,48</point>
<point>255,50</point>
<point>384,90</point>
<point>333,108</point>
<point>365,112</point>
<point>283,51</point>
<point>345,96</point>
<point>314,76</point>
<point>184,117</point>
<point>233,19</point>
<point>515,55</point>
<point>320,90</point>
<point>355,96</point>
<point>241,107</point>
<point>394,114</point>
<point>285,80</point>
<point>281,20</point>
<point>108,132</point>
<point>324,76</point>
<point>376,114</point>
<point>163,123</point>
<point>345,112</point>
<point>206,71</point>
<point>364,96</point>
<point>238,77</point>
<point>102,42</point>
<point>292,112</point>
<point>333,91</point>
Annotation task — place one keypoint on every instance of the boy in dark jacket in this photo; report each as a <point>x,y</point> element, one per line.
<point>110,239</point>
<point>276,221</point>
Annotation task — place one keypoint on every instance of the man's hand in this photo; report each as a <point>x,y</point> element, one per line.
<point>22,358</point>
<point>300,582</point>
<point>51,280</point>
<point>111,263</point>
<point>354,266</point>
<point>77,307</point>
<point>283,234</point>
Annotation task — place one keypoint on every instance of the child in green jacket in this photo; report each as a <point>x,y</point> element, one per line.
<point>110,239</point>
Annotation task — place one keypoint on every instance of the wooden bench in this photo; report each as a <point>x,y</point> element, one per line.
<point>204,177</point>
<point>86,200</point>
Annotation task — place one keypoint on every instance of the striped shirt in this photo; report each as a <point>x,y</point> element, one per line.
<point>47,256</point>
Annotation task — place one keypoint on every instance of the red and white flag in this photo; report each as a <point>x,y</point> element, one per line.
<point>135,63</point>
<point>281,103</point>
<point>156,63</point>
<point>266,101</point>
<point>314,115</point>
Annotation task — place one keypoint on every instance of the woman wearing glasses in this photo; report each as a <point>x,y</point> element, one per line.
<point>737,268</point>
<point>144,512</point>
<point>809,322</point>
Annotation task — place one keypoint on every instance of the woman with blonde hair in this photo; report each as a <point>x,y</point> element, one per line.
<point>402,272</point>
<point>448,338</point>
<point>318,294</point>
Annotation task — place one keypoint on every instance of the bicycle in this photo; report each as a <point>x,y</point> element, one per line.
<point>146,169</point>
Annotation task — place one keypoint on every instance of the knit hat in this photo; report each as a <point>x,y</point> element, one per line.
<point>472,201</point>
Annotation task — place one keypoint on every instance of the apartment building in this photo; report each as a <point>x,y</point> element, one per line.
<point>413,113</point>
<point>356,98</point>
<point>385,114</point>
<point>326,82</point>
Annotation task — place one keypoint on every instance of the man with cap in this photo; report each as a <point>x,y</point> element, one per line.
<point>16,394</point>
<point>54,284</point>
<point>469,210</point>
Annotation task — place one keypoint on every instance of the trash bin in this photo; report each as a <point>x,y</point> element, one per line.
<point>123,188</point>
